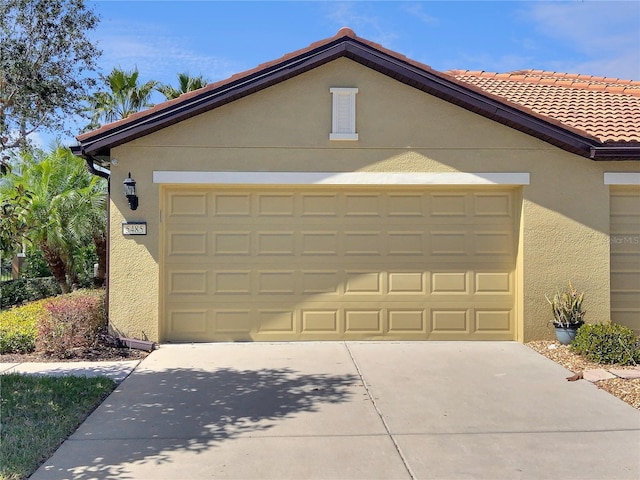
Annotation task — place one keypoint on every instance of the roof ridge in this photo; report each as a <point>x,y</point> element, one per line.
<point>344,32</point>
<point>595,109</point>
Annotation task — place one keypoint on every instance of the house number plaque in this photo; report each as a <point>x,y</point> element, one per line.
<point>134,228</point>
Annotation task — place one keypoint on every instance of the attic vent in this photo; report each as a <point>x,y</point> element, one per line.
<point>344,114</point>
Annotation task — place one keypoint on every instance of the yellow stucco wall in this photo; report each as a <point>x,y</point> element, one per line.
<point>564,231</point>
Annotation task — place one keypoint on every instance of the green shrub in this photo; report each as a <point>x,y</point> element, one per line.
<point>19,327</point>
<point>23,290</point>
<point>607,343</point>
<point>35,265</point>
<point>73,323</point>
<point>85,259</point>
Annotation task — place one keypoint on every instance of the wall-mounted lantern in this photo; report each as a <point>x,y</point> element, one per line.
<point>130,192</point>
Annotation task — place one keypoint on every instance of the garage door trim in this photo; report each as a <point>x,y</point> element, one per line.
<point>620,178</point>
<point>340,178</point>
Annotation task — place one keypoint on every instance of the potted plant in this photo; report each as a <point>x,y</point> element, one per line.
<point>568,314</point>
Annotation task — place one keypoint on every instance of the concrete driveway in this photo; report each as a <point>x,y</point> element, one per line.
<point>392,410</point>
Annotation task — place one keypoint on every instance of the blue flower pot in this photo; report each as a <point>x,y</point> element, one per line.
<point>566,335</point>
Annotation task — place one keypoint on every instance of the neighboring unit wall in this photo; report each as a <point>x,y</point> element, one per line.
<point>565,209</point>
<point>565,224</point>
<point>625,255</point>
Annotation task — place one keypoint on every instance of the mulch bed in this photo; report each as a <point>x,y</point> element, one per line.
<point>102,353</point>
<point>627,390</point>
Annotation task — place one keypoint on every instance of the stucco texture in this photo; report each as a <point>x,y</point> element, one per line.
<point>564,220</point>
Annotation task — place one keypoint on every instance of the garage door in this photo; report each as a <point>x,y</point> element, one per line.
<point>319,264</point>
<point>625,256</point>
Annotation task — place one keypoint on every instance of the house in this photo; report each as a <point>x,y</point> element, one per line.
<point>345,191</point>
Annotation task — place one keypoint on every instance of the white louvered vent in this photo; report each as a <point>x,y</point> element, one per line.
<point>344,114</point>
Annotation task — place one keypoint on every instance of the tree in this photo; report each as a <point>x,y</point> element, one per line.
<point>122,97</point>
<point>5,166</point>
<point>91,223</point>
<point>12,228</point>
<point>46,61</point>
<point>64,208</point>
<point>186,83</point>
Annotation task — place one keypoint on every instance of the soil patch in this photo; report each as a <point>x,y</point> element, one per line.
<point>103,352</point>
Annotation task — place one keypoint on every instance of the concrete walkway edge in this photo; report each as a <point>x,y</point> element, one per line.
<point>117,371</point>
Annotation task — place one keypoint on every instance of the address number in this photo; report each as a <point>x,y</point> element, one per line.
<point>134,228</point>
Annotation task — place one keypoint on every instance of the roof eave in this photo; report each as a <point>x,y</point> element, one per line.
<point>91,161</point>
<point>101,143</point>
<point>617,152</point>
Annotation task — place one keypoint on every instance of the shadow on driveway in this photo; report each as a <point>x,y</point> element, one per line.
<point>155,414</point>
<point>482,410</point>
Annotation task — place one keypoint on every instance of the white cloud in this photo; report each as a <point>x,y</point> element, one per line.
<point>159,54</point>
<point>355,16</point>
<point>606,33</point>
<point>417,11</point>
<point>41,140</point>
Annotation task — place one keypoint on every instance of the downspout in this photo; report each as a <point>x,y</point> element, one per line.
<point>128,342</point>
<point>90,160</point>
<point>91,165</point>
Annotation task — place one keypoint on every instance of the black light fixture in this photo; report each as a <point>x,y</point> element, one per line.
<point>130,192</point>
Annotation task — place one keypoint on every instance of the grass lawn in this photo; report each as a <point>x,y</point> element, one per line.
<point>38,413</point>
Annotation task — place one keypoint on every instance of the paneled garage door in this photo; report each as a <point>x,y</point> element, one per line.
<point>625,256</point>
<point>330,264</point>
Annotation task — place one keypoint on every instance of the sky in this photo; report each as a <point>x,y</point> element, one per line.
<point>219,38</point>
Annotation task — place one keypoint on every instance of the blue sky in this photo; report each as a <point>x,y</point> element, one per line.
<point>218,38</point>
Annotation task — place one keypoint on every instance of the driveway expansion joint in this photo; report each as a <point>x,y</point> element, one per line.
<point>379,412</point>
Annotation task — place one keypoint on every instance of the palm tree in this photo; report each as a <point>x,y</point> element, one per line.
<point>90,222</point>
<point>186,83</point>
<point>124,95</point>
<point>64,208</point>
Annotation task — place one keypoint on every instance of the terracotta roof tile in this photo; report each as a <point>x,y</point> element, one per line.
<point>603,107</point>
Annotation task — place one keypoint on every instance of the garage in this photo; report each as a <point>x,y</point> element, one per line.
<point>267,263</point>
<point>625,256</point>
<point>345,191</point>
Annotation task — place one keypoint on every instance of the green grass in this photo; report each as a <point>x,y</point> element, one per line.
<point>38,413</point>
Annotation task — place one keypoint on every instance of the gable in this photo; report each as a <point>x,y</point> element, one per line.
<point>297,114</point>
<point>347,44</point>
